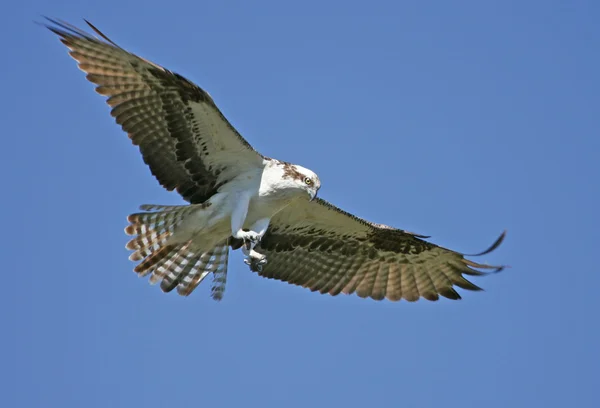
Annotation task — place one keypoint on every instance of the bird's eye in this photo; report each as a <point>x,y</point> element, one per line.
<point>308,181</point>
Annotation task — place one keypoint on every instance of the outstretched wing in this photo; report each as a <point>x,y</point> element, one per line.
<point>186,141</point>
<point>318,246</point>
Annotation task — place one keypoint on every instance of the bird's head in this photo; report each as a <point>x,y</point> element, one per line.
<point>302,179</point>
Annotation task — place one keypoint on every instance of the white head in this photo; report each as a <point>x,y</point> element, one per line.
<point>298,179</point>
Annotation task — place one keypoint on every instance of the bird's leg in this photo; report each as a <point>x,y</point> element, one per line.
<point>255,259</point>
<point>251,237</point>
<point>259,227</point>
<point>238,217</point>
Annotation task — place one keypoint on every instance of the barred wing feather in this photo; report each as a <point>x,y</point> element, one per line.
<point>318,246</point>
<point>183,137</point>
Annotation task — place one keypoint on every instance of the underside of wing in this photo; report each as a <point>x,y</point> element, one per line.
<point>320,247</point>
<point>183,137</point>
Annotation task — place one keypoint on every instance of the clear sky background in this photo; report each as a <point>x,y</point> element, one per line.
<point>452,119</point>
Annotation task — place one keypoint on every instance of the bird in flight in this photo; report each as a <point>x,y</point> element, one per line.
<point>240,199</point>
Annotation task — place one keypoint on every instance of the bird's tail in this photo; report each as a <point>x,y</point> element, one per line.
<point>178,264</point>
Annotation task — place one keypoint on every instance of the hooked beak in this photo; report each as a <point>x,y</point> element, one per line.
<point>313,195</point>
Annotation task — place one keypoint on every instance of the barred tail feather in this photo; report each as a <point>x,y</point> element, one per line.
<point>153,228</point>
<point>174,265</point>
<point>220,259</point>
<point>214,261</point>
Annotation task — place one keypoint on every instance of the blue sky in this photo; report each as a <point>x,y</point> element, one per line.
<point>451,119</point>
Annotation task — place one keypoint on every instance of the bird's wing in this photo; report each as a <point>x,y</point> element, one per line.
<point>318,246</point>
<point>183,137</point>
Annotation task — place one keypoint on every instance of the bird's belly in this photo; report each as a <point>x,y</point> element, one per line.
<point>208,227</point>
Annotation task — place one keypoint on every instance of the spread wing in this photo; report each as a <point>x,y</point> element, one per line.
<point>183,137</point>
<point>318,246</point>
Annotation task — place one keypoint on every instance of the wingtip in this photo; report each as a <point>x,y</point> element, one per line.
<point>62,28</point>
<point>100,33</point>
<point>43,17</point>
<point>489,269</point>
<point>49,23</point>
<point>495,245</point>
<point>501,268</point>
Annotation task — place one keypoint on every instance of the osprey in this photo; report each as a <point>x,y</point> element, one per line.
<point>242,199</point>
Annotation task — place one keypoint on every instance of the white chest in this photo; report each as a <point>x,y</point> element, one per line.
<point>268,191</point>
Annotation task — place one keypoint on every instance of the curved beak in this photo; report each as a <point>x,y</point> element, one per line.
<point>313,195</point>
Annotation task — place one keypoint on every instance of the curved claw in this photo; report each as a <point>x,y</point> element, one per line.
<point>256,265</point>
<point>249,238</point>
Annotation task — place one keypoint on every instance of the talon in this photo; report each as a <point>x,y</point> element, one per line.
<point>253,264</point>
<point>249,238</point>
<point>255,261</point>
<point>257,264</point>
<point>256,267</point>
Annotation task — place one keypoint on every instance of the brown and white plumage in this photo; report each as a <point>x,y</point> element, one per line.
<point>320,247</point>
<point>241,199</point>
<point>183,137</point>
<point>176,265</point>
